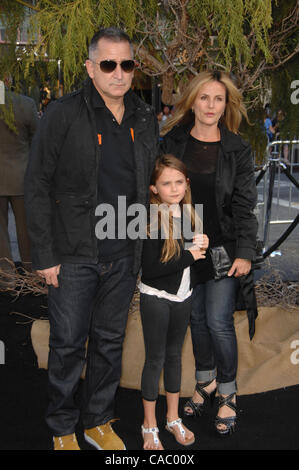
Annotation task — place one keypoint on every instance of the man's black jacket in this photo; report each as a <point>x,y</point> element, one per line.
<point>62,179</point>
<point>236,193</point>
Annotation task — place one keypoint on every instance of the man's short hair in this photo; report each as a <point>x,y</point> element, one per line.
<point>112,34</point>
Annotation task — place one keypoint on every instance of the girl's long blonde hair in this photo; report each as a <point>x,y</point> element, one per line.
<point>234,110</point>
<point>171,246</point>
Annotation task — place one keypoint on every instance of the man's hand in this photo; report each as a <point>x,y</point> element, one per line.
<point>240,267</point>
<point>50,275</point>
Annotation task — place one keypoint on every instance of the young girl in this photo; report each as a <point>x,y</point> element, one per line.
<point>165,296</point>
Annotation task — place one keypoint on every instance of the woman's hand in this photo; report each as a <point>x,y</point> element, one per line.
<point>240,267</point>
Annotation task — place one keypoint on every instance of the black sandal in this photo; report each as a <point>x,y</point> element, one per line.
<point>197,408</point>
<point>231,421</point>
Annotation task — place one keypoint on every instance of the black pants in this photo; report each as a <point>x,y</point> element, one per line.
<point>91,302</point>
<point>17,205</point>
<point>164,324</point>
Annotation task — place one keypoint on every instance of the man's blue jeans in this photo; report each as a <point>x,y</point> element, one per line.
<point>213,333</point>
<point>91,302</point>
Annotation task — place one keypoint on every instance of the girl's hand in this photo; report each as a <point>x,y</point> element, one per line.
<point>197,253</point>
<point>201,241</point>
<point>240,267</point>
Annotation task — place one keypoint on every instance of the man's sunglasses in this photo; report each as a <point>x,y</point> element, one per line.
<point>107,66</point>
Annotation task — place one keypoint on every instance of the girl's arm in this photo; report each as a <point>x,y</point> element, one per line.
<point>152,267</point>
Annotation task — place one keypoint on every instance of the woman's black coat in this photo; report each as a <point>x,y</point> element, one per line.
<point>236,198</point>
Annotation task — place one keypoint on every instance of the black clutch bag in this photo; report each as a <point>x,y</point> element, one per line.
<point>222,262</point>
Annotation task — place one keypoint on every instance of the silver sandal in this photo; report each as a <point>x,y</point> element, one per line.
<point>153,431</point>
<point>178,422</point>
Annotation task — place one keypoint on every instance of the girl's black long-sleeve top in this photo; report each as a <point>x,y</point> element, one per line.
<point>164,276</point>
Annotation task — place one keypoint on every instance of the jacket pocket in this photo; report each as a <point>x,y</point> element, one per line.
<point>72,224</point>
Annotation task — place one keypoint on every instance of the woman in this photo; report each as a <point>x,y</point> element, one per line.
<point>204,134</point>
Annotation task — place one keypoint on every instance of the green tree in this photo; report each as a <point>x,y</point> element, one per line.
<point>255,40</point>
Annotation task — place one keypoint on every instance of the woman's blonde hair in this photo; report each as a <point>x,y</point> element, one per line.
<point>234,110</point>
<point>171,246</point>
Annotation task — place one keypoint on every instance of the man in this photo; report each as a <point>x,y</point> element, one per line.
<point>93,145</point>
<point>14,151</point>
<point>166,113</point>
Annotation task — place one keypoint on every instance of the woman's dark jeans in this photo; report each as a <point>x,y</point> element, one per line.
<point>164,324</point>
<point>213,333</point>
<point>91,302</point>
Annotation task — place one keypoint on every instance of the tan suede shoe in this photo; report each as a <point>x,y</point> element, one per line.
<point>104,438</point>
<point>68,442</point>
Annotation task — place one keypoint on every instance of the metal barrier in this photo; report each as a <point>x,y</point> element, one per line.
<point>275,163</point>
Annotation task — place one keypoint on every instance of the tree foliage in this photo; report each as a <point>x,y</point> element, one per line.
<point>255,40</point>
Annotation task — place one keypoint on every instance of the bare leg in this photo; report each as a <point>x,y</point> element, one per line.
<point>150,421</point>
<point>172,406</point>
<point>173,414</point>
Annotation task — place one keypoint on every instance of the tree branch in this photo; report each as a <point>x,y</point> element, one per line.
<point>28,5</point>
<point>283,61</point>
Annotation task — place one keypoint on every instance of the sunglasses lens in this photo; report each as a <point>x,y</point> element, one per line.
<point>108,66</point>
<point>128,65</point>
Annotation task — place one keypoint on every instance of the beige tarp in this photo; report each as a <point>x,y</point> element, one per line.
<point>268,362</point>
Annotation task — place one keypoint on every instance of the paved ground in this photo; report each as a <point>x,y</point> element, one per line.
<point>285,207</point>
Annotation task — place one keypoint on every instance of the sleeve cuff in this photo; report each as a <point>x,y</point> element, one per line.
<point>245,252</point>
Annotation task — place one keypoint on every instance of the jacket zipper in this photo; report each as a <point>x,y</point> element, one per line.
<point>97,158</point>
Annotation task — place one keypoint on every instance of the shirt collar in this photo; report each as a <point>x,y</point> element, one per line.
<point>96,99</point>
<point>98,102</point>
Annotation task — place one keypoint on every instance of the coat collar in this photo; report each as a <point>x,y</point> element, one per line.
<point>230,142</point>
<point>130,98</point>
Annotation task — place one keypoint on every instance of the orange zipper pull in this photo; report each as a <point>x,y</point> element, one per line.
<point>132,133</point>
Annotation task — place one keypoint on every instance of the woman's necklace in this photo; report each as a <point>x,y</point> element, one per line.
<point>214,137</point>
